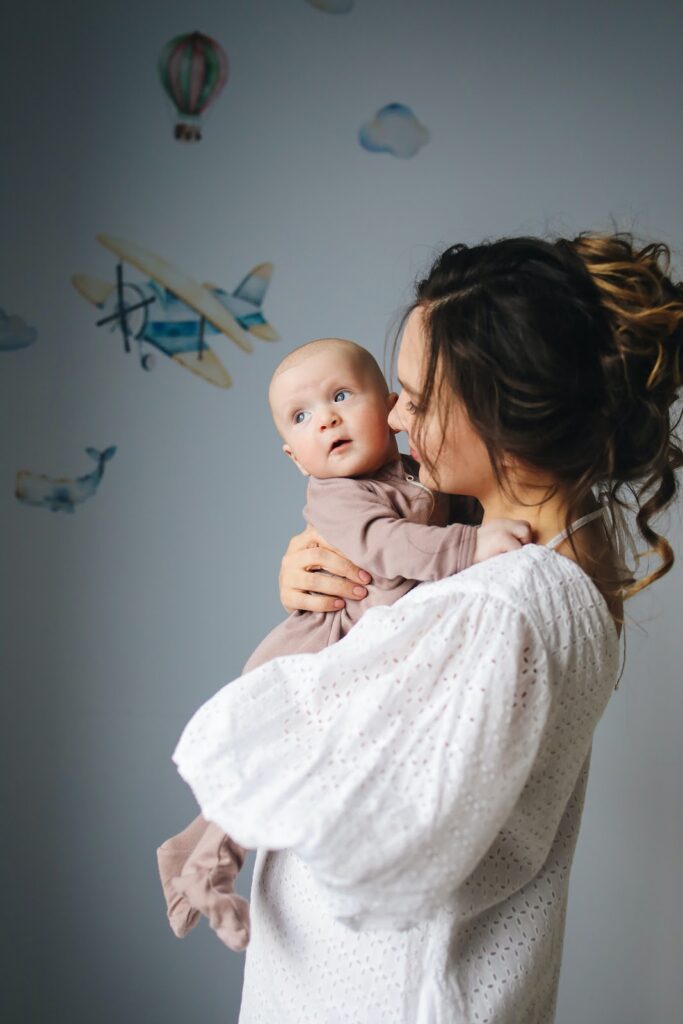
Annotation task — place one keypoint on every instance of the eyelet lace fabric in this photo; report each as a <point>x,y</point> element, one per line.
<point>414,793</point>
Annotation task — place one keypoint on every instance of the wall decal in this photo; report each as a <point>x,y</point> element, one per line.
<point>62,493</point>
<point>15,333</point>
<point>174,314</point>
<point>193,69</point>
<point>394,129</point>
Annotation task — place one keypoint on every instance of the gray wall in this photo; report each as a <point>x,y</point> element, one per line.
<point>119,620</point>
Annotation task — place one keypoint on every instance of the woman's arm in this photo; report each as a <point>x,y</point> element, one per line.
<point>303,588</point>
<point>388,761</point>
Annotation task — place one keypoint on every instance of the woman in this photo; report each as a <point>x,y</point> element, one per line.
<point>415,791</point>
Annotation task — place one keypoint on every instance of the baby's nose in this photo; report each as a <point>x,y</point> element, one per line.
<point>329,418</point>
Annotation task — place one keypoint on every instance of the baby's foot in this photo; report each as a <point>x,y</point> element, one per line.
<point>206,883</point>
<point>171,856</point>
<point>181,916</point>
<point>228,911</point>
<point>212,894</point>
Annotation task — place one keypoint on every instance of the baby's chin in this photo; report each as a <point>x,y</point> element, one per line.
<point>350,462</point>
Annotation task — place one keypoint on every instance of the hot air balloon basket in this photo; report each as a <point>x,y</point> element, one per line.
<point>184,132</point>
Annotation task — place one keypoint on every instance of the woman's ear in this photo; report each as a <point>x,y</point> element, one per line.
<point>288,451</point>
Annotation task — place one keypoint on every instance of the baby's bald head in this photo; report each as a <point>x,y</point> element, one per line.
<point>339,350</point>
<point>330,403</point>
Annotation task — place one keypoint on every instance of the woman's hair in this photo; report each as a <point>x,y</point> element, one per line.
<point>566,355</point>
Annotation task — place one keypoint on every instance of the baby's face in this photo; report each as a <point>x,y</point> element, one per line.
<point>333,415</point>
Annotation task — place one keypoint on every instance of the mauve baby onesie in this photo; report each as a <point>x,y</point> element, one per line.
<point>380,522</point>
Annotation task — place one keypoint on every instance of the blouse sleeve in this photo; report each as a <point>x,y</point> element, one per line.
<point>388,761</point>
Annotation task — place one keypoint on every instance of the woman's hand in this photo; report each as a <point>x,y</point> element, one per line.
<point>303,589</point>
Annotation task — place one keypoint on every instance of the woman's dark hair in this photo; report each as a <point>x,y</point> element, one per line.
<point>566,355</point>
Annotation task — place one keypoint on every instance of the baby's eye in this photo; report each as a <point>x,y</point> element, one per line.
<point>298,416</point>
<point>344,391</point>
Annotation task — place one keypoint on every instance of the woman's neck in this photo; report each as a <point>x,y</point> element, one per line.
<point>546,520</point>
<point>596,557</point>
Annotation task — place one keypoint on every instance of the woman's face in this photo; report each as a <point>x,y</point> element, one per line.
<point>463,463</point>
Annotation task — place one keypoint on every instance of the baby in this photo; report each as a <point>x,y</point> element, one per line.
<point>330,404</point>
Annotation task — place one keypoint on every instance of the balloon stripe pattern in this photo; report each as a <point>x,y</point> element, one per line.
<point>193,69</point>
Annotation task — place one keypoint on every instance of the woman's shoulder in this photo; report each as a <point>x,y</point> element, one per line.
<point>510,576</point>
<point>550,591</point>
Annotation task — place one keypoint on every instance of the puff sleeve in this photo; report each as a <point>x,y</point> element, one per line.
<point>388,761</point>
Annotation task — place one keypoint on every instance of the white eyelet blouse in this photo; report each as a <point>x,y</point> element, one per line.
<point>414,793</point>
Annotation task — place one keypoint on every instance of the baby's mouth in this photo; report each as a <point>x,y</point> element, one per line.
<point>340,443</point>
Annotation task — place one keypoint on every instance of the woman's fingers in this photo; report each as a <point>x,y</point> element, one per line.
<point>300,601</point>
<point>306,539</point>
<point>322,583</point>
<point>522,530</point>
<point>337,562</point>
<point>302,588</point>
<point>332,561</point>
<point>309,551</point>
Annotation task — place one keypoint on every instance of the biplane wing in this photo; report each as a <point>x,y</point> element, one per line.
<point>186,288</point>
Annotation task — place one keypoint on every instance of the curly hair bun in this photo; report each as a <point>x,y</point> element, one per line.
<point>642,369</point>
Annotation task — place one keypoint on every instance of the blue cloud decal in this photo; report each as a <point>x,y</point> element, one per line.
<point>395,130</point>
<point>15,332</point>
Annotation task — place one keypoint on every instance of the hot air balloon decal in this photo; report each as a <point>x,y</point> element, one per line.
<point>193,69</point>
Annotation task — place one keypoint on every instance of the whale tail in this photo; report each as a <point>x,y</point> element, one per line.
<point>103,456</point>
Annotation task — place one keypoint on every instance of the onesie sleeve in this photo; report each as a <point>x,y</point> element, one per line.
<point>354,518</point>
<point>388,761</point>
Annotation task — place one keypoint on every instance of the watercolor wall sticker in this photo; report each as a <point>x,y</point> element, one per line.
<point>173,314</point>
<point>62,493</point>
<point>193,69</point>
<point>394,129</point>
<point>332,6</point>
<point>14,332</point>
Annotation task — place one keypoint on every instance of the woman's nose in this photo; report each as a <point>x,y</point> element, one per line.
<point>395,422</point>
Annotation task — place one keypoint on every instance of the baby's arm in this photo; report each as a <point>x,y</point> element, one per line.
<point>352,517</point>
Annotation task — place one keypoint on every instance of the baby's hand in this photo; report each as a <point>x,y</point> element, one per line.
<point>499,536</point>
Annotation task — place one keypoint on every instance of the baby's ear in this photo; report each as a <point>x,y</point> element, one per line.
<point>392,399</point>
<point>288,451</point>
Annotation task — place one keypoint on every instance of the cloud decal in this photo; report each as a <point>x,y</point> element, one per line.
<point>394,129</point>
<point>332,6</point>
<point>15,332</point>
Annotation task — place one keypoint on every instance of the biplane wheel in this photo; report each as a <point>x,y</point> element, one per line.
<point>147,361</point>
